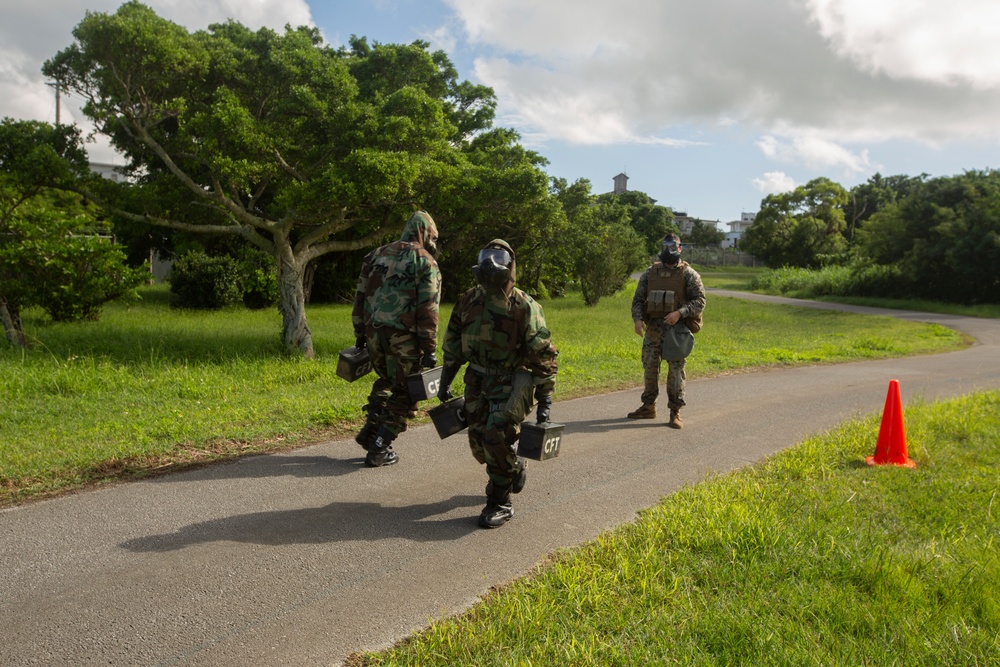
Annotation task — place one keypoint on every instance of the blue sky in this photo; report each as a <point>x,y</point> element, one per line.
<point>707,106</point>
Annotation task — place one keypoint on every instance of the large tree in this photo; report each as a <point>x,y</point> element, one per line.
<point>55,251</point>
<point>797,228</point>
<point>601,241</point>
<point>944,235</point>
<point>870,197</point>
<point>277,139</point>
<point>33,156</point>
<point>649,220</point>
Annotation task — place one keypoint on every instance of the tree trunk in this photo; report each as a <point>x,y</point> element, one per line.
<point>295,332</point>
<point>12,325</point>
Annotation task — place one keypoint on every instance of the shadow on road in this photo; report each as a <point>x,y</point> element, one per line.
<point>261,466</point>
<point>608,425</point>
<point>336,522</point>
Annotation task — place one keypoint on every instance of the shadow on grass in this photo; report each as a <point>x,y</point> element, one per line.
<point>336,522</point>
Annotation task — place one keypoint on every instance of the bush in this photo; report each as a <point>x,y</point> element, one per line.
<point>869,280</point>
<point>200,281</point>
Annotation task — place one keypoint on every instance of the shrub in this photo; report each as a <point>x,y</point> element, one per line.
<point>200,281</point>
<point>872,280</point>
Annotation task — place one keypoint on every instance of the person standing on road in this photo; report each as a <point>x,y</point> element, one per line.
<point>396,317</point>
<point>652,313</point>
<point>500,332</point>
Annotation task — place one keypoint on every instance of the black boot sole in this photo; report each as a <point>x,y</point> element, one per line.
<point>388,462</point>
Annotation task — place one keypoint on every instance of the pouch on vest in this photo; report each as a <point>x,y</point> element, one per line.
<point>678,341</point>
<point>659,303</point>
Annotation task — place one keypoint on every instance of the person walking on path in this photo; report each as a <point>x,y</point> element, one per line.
<point>669,291</point>
<point>500,332</point>
<point>396,317</point>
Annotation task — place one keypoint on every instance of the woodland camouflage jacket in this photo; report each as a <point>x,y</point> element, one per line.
<point>400,285</point>
<point>501,333</point>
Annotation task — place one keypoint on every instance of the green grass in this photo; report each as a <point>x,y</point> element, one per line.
<point>148,390</point>
<point>990,310</point>
<point>730,277</point>
<point>830,284</point>
<point>810,558</point>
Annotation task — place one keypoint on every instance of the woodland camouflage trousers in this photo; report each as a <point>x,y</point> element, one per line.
<point>395,355</point>
<point>652,358</point>
<point>493,433</point>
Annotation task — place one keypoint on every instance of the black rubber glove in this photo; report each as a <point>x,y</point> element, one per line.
<point>544,408</point>
<point>447,377</point>
<point>429,360</point>
<point>360,343</point>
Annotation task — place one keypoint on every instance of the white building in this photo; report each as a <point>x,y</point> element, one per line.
<point>737,228</point>
<point>108,171</point>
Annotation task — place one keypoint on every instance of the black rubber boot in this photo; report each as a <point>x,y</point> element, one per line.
<point>380,453</point>
<point>498,510</point>
<point>366,436</point>
<point>521,478</point>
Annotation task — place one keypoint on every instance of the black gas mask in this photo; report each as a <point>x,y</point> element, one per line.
<point>492,269</point>
<point>670,251</point>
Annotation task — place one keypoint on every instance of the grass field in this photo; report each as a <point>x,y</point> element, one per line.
<point>740,278</point>
<point>148,390</point>
<point>810,558</point>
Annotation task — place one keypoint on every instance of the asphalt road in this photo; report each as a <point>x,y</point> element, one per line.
<point>302,558</point>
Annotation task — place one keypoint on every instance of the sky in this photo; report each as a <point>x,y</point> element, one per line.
<point>706,106</point>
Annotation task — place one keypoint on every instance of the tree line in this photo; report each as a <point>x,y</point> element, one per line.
<point>900,236</point>
<point>269,163</point>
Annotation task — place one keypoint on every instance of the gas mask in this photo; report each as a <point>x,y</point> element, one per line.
<point>670,251</point>
<point>430,245</point>
<point>492,269</point>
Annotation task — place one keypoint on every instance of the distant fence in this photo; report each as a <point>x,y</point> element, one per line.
<point>713,257</point>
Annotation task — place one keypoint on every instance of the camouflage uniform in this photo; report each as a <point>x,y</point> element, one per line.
<point>396,311</point>
<point>501,334</point>
<point>652,342</point>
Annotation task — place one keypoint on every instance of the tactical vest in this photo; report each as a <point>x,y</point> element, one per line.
<point>666,292</point>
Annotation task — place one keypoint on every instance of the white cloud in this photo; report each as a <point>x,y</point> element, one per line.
<point>815,152</point>
<point>928,40</point>
<point>32,32</point>
<point>826,77</point>
<point>774,182</point>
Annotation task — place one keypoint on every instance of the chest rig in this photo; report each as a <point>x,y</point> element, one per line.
<point>665,289</point>
<point>666,292</point>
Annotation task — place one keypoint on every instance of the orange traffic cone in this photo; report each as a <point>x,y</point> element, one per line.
<point>891,446</point>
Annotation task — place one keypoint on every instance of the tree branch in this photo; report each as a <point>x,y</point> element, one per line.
<point>336,225</point>
<point>292,171</point>
<point>340,246</point>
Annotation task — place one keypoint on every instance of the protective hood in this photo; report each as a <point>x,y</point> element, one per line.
<point>420,229</point>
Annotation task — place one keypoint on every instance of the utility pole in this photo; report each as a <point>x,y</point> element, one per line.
<point>56,85</point>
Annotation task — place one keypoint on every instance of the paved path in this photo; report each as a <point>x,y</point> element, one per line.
<point>302,558</point>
